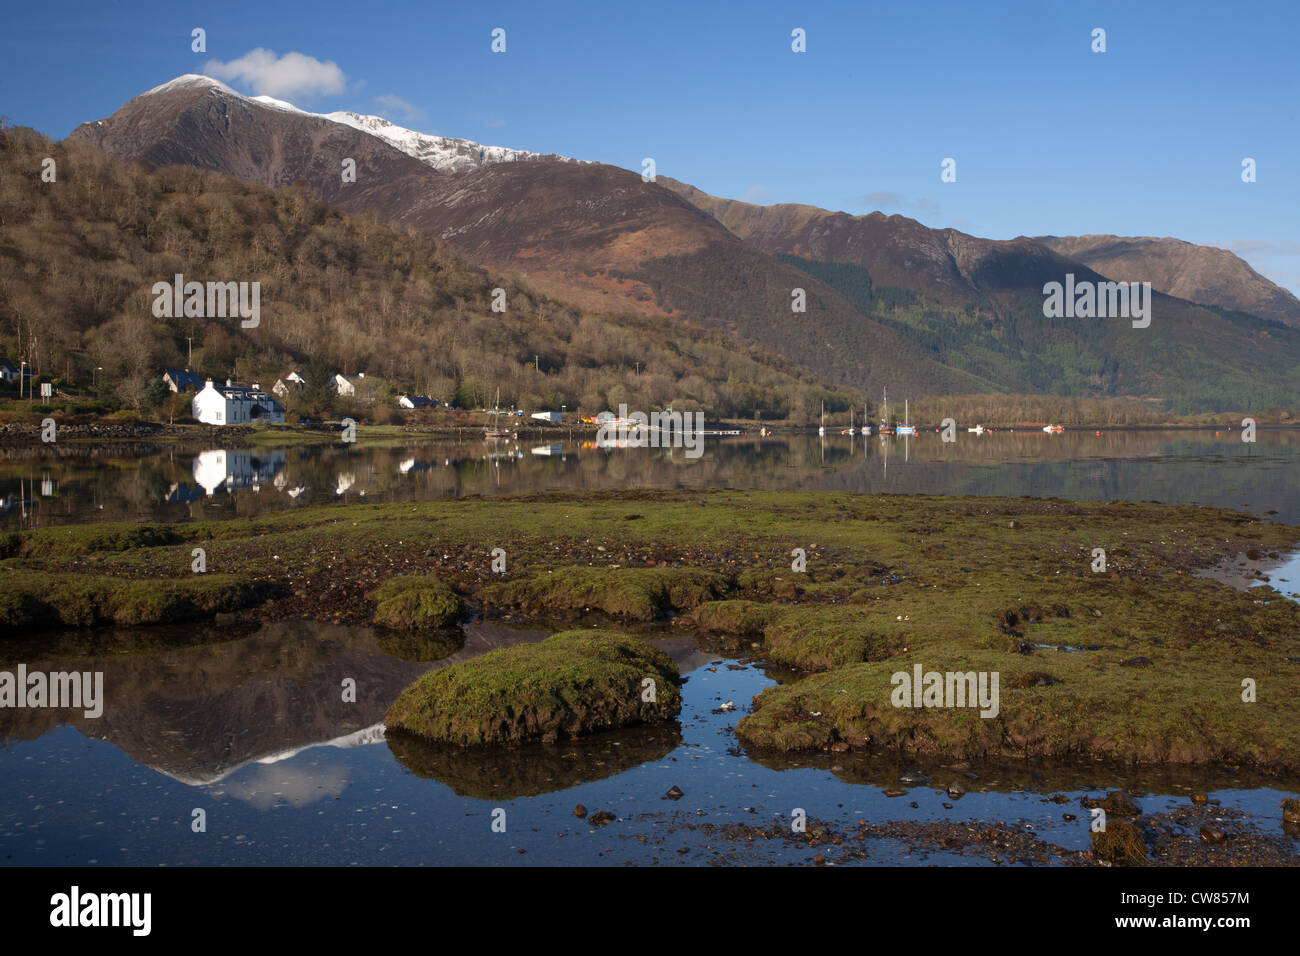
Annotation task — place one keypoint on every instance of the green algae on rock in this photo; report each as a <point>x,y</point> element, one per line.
<point>1084,700</point>
<point>41,599</point>
<point>636,594</point>
<point>808,637</point>
<point>410,601</point>
<point>1120,843</point>
<point>571,684</point>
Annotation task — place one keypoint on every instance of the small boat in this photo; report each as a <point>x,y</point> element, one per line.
<point>905,428</point>
<point>885,427</point>
<point>821,429</point>
<point>850,430</point>
<point>977,430</point>
<point>494,431</point>
<point>1053,429</point>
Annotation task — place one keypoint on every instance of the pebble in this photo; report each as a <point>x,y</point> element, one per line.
<point>1212,834</point>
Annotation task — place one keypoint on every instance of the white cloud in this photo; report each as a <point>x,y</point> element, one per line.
<point>294,74</point>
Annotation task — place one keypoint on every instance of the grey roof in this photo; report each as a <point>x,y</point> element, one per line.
<point>184,378</point>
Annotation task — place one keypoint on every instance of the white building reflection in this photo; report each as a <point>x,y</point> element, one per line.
<point>228,469</point>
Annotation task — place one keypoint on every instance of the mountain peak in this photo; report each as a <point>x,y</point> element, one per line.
<point>443,153</point>
<point>187,80</point>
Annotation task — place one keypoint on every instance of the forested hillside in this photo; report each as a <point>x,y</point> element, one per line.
<point>80,255</point>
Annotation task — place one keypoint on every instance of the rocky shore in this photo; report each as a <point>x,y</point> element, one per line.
<point>22,432</point>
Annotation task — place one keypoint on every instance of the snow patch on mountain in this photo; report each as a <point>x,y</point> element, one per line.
<point>441,152</point>
<point>444,153</point>
<point>190,79</point>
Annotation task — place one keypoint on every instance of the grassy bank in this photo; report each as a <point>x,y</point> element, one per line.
<point>1154,670</point>
<point>569,685</point>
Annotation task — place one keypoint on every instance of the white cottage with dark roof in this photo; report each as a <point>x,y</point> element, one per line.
<point>232,404</point>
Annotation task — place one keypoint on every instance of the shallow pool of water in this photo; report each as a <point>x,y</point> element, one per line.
<point>251,729</point>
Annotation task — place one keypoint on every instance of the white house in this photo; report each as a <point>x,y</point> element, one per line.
<point>416,401</point>
<point>547,416</point>
<point>8,371</point>
<point>293,381</point>
<point>347,384</point>
<point>232,404</point>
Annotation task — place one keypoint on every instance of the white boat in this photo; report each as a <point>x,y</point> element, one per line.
<point>977,430</point>
<point>1053,429</point>
<point>850,430</point>
<point>494,431</point>
<point>905,429</point>
<point>821,429</point>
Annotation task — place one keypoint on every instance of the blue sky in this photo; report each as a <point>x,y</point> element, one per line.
<point>1049,137</point>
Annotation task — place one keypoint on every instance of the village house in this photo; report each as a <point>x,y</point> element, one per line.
<point>232,404</point>
<point>346,385</point>
<point>8,371</point>
<point>416,401</point>
<point>291,382</point>
<point>183,381</point>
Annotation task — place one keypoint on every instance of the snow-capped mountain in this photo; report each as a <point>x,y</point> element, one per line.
<point>443,153</point>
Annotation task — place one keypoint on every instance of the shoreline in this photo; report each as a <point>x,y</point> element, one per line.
<point>28,434</point>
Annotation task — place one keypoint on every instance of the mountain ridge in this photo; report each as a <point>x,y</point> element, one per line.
<point>889,301</point>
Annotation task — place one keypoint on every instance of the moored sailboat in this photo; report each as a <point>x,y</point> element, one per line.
<point>494,431</point>
<point>906,428</point>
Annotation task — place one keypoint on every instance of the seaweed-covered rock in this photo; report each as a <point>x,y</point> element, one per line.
<point>1120,843</point>
<point>734,618</point>
<point>37,599</point>
<point>1117,803</point>
<point>416,601</point>
<point>637,594</point>
<point>571,684</point>
<point>1291,816</point>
